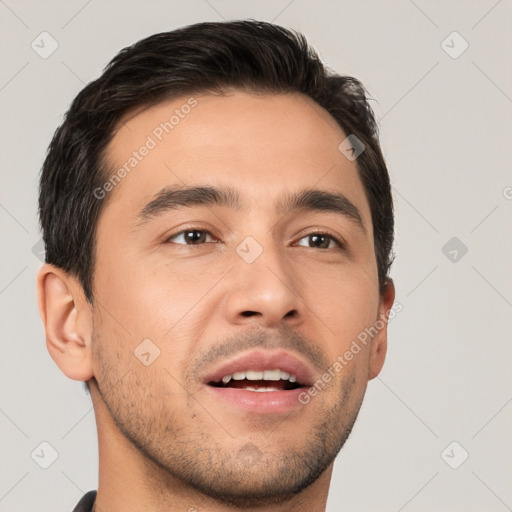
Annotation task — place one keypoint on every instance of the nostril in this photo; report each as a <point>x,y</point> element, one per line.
<point>249,313</point>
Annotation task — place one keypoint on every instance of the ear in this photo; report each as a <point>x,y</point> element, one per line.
<point>380,340</point>
<point>67,319</point>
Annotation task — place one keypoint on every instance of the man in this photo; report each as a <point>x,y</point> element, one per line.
<point>218,223</point>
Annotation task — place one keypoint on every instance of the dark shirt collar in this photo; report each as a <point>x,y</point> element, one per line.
<point>86,503</point>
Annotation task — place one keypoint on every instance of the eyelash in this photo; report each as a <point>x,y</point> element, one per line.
<point>340,243</point>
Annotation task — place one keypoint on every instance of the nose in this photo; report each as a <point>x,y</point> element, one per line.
<point>264,291</point>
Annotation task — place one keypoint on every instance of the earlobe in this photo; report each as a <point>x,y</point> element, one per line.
<point>67,319</point>
<point>380,340</point>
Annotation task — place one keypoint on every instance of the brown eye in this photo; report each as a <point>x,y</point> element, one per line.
<point>321,241</point>
<point>190,237</point>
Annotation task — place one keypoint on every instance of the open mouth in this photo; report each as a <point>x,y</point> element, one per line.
<point>258,381</point>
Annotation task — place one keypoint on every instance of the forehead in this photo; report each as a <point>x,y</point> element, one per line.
<point>260,144</point>
<point>234,112</point>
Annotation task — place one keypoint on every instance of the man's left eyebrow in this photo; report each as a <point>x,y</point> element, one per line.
<point>322,201</point>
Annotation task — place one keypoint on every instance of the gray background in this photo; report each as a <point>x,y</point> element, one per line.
<point>446,133</point>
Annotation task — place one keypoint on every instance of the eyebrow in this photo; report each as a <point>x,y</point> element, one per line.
<point>175,197</point>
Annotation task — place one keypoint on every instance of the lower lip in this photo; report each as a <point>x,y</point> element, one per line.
<point>264,402</point>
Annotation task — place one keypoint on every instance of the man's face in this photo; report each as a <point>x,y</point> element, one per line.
<point>206,283</point>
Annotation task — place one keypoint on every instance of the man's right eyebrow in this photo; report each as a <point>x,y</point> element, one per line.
<point>174,197</point>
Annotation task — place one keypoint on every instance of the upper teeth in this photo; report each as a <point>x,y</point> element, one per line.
<point>264,375</point>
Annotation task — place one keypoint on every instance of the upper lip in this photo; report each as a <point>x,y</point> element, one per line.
<point>259,360</point>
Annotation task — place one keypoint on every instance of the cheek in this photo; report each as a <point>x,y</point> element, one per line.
<point>171,298</point>
<point>149,300</point>
<point>130,364</point>
<point>346,302</point>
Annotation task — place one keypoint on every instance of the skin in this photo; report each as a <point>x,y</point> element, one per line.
<point>164,443</point>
